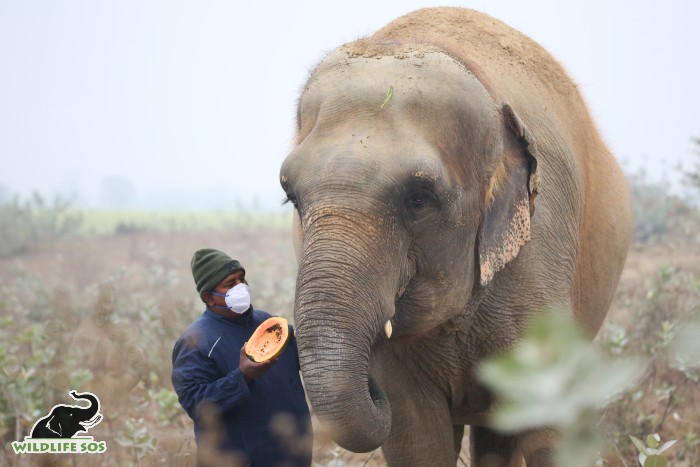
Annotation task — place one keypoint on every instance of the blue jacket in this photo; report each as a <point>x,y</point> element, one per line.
<point>205,371</point>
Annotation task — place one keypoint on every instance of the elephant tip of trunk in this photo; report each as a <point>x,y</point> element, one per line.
<point>355,442</point>
<point>365,439</point>
<point>359,446</point>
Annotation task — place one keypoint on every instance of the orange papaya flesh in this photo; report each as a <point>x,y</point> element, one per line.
<point>269,340</point>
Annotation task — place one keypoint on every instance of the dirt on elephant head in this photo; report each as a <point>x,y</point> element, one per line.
<point>519,54</point>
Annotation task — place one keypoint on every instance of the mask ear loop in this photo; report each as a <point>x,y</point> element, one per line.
<point>220,295</point>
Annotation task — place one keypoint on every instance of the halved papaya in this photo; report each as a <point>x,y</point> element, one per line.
<point>269,340</point>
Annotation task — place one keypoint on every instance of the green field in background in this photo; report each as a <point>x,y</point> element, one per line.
<point>107,222</point>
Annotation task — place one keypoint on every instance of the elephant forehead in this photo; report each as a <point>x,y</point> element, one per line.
<point>426,79</point>
<point>410,106</point>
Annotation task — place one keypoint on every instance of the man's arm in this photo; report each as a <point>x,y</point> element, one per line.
<point>197,381</point>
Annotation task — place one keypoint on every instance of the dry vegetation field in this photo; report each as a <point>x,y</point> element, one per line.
<point>101,314</point>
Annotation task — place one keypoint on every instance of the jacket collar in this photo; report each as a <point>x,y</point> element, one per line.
<point>245,319</point>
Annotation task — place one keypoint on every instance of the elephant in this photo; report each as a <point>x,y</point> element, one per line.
<point>64,421</point>
<point>448,184</point>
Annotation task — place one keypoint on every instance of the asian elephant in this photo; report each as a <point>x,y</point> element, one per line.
<point>64,421</point>
<point>449,183</point>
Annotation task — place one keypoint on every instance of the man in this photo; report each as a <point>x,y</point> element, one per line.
<point>244,413</point>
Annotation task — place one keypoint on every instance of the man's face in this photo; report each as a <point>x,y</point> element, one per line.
<point>228,283</point>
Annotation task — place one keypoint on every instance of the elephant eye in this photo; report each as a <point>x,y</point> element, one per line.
<point>420,199</point>
<point>291,199</point>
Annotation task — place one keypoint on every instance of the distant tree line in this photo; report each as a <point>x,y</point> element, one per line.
<point>692,176</point>
<point>25,224</point>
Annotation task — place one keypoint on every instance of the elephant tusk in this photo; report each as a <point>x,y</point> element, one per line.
<point>388,329</point>
<point>93,421</point>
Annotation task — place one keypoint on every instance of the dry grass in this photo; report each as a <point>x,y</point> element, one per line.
<point>102,314</point>
<point>659,292</point>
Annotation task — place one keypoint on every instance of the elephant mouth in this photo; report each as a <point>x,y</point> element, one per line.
<point>402,297</point>
<point>407,282</point>
<point>394,322</point>
<point>402,290</point>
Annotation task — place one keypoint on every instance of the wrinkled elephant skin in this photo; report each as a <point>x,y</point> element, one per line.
<point>448,180</point>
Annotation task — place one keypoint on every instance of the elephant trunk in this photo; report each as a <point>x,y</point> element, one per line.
<point>87,413</point>
<point>339,313</point>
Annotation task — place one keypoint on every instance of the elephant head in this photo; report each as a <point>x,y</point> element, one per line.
<point>64,421</point>
<point>413,186</point>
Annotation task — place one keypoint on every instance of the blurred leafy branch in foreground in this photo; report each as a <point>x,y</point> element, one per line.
<point>556,378</point>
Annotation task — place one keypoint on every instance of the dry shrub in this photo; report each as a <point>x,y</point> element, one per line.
<point>102,315</point>
<point>658,295</point>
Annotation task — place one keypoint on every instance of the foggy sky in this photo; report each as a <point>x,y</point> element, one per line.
<point>190,105</point>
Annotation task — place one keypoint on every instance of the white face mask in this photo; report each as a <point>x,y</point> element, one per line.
<point>238,298</point>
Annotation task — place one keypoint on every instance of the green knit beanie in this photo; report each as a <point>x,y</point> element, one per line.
<point>210,267</point>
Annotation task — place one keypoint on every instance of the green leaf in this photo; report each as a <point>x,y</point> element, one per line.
<point>653,440</point>
<point>655,460</point>
<point>389,95</point>
<point>639,444</point>
<point>666,445</point>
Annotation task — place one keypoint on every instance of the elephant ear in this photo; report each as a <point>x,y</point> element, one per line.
<point>510,198</point>
<point>56,427</point>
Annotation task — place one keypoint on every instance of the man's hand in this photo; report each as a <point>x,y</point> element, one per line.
<point>253,370</point>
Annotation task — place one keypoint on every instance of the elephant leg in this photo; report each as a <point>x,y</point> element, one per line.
<point>421,433</point>
<point>490,449</point>
<point>538,447</point>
